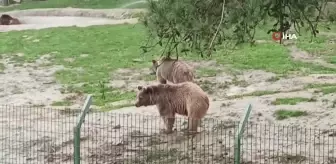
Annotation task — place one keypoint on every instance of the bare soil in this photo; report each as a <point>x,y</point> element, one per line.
<point>36,135</point>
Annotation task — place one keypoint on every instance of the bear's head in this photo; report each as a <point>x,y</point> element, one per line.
<point>144,96</point>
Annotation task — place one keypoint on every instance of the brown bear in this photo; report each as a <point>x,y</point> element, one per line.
<point>173,70</point>
<point>187,99</point>
<point>5,19</point>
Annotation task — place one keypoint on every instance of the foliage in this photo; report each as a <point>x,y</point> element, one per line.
<point>296,13</point>
<point>202,26</point>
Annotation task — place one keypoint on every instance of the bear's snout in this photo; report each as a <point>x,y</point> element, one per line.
<point>137,104</point>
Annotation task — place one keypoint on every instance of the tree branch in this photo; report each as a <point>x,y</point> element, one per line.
<point>220,23</point>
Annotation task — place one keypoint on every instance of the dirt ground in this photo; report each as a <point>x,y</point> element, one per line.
<point>36,135</point>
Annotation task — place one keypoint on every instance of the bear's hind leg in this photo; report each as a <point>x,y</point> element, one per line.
<point>192,125</point>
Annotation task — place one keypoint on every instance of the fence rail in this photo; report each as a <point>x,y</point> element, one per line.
<point>34,135</point>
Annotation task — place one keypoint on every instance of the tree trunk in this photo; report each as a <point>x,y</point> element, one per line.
<point>5,2</point>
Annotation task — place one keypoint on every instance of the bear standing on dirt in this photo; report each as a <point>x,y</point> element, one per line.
<point>187,99</point>
<point>173,70</point>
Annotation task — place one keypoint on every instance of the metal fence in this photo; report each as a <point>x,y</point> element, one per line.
<point>37,135</point>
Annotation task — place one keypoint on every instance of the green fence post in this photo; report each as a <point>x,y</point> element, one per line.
<point>77,128</point>
<point>239,133</point>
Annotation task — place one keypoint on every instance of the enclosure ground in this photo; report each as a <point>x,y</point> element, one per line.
<point>56,67</point>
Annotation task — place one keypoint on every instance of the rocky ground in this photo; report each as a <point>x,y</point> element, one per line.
<point>111,136</point>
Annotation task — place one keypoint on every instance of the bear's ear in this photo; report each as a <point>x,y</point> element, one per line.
<point>140,87</point>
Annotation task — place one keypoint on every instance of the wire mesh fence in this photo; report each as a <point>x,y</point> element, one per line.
<point>134,138</point>
<point>35,135</point>
<point>39,135</point>
<point>283,144</point>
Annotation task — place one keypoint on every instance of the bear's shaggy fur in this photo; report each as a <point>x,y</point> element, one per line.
<point>187,99</point>
<point>173,70</point>
<point>6,19</point>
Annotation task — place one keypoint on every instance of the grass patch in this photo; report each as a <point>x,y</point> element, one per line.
<point>62,103</point>
<point>94,4</point>
<point>2,67</point>
<point>109,95</point>
<point>285,114</point>
<point>332,60</point>
<point>317,46</point>
<point>324,88</point>
<point>321,45</point>
<point>113,107</point>
<point>116,47</point>
<point>328,90</point>
<point>256,93</point>
<point>269,57</point>
<point>261,93</point>
<point>319,85</point>
<point>291,101</point>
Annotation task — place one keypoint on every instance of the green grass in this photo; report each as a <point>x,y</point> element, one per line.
<point>319,85</point>
<point>94,4</point>
<point>317,47</point>
<point>332,60</point>
<point>111,95</point>
<point>108,48</point>
<point>269,57</point>
<point>321,46</point>
<point>274,57</point>
<point>324,88</point>
<point>2,67</point>
<point>256,93</point>
<point>112,107</point>
<point>285,114</point>
<point>291,101</point>
<point>328,90</point>
<point>261,93</point>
